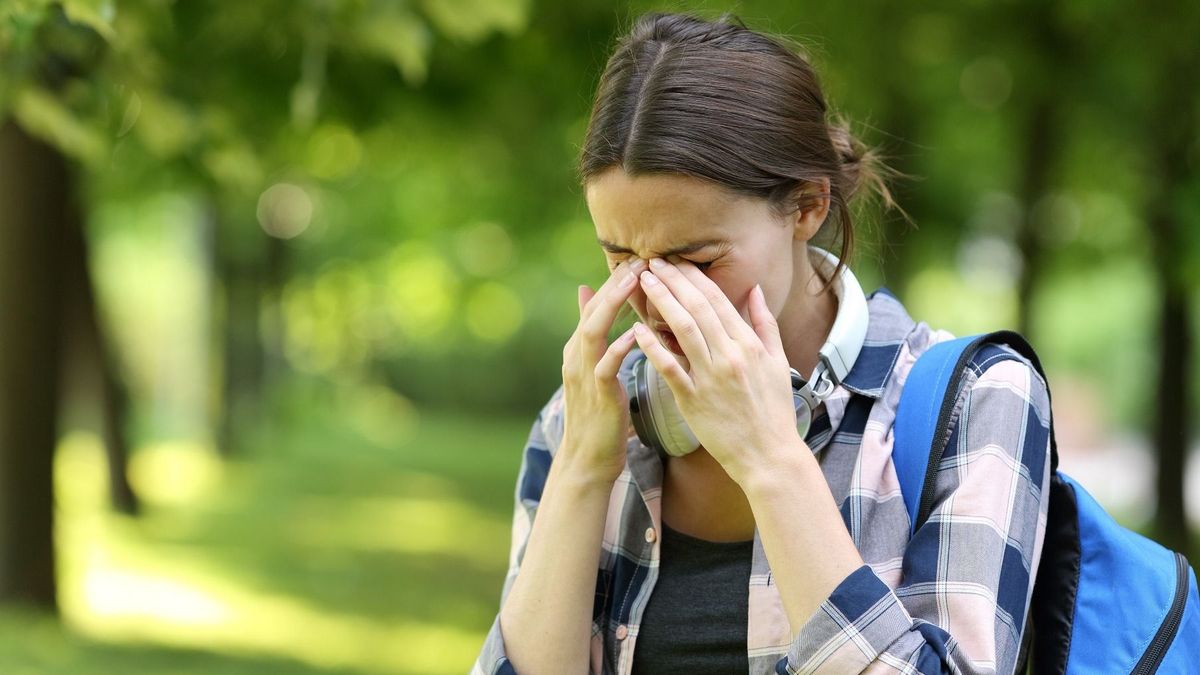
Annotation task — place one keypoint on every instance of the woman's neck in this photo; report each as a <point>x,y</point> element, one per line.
<point>805,329</point>
<point>702,501</point>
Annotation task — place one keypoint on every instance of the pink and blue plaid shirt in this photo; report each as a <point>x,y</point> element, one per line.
<point>953,597</point>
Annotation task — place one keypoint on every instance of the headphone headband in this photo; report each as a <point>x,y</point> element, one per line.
<point>849,331</point>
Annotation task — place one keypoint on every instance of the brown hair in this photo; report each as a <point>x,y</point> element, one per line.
<point>718,101</point>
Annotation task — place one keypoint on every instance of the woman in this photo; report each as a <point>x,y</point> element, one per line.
<point>708,167</point>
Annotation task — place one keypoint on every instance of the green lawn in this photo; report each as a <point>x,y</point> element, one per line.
<point>359,537</point>
<point>363,537</point>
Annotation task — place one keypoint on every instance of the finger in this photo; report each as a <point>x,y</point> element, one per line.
<point>615,279</point>
<point>765,324</point>
<point>698,305</point>
<point>695,301</point>
<point>663,361</point>
<point>610,364</point>
<point>612,286</point>
<point>698,343</point>
<point>601,309</point>
<point>586,294</point>
<point>731,319</point>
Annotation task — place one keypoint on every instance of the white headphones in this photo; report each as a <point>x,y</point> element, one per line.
<point>657,419</point>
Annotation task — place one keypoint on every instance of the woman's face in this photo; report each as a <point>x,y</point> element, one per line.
<point>737,241</point>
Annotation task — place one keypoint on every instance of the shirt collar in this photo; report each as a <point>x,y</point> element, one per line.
<point>888,325</point>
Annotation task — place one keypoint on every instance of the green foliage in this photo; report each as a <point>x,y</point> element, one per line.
<point>451,128</point>
<point>394,181</point>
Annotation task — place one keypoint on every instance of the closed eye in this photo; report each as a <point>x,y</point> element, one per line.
<point>702,266</point>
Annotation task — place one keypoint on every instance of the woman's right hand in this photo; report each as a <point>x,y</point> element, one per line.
<point>595,405</point>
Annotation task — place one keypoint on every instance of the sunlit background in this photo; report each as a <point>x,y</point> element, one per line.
<point>306,268</point>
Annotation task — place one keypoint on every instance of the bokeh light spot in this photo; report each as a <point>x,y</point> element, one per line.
<point>333,152</point>
<point>284,210</point>
<point>494,312</point>
<point>484,249</point>
<point>986,82</point>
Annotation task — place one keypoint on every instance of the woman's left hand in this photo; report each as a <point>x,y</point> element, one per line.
<point>737,399</point>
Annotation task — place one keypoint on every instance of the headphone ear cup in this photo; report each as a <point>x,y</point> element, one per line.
<point>803,410</point>
<point>803,416</point>
<point>674,435</point>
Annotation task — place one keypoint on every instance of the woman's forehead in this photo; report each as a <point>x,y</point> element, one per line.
<point>664,214</point>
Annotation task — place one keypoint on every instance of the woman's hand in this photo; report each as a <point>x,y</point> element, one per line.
<point>596,407</point>
<point>737,398</point>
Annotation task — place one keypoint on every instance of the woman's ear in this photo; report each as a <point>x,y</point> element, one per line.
<point>813,201</point>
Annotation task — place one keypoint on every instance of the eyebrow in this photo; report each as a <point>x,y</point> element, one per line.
<point>678,250</point>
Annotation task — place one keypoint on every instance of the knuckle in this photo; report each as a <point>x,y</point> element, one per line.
<point>590,332</point>
<point>756,350</point>
<point>733,364</point>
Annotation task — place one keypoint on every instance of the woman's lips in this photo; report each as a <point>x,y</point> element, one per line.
<point>668,339</point>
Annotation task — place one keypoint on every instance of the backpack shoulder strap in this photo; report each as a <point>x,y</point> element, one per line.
<point>923,415</point>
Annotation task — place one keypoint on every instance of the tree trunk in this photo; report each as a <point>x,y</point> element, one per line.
<point>1040,148</point>
<point>98,356</point>
<point>1171,424</point>
<point>238,269</point>
<point>37,191</point>
<point>1042,134</point>
<point>1172,136</point>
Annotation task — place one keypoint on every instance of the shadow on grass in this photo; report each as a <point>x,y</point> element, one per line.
<point>318,524</point>
<point>32,642</point>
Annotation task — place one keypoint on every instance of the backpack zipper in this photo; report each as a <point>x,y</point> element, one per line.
<point>1154,654</point>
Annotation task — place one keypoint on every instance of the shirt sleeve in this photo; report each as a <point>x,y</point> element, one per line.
<point>544,438</point>
<point>543,441</point>
<point>968,571</point>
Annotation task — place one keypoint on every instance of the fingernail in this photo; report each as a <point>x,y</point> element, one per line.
<point>637,265</point>
<point>628,280</point>
<point>648,278</point>
<point>657,263</point>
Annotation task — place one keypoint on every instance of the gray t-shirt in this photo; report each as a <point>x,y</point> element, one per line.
<point>695,621</point>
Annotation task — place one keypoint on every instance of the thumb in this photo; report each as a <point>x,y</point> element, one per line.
<point>764,323</point>
<point>585,294</point>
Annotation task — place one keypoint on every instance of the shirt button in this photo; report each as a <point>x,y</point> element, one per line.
<point>651,535</point>
<point>622,632</point>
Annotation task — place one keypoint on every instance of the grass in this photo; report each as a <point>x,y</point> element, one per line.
<point>359,537</point>
<point>362,537</point>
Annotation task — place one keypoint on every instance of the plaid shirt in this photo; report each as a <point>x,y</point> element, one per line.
<point>950,598</point>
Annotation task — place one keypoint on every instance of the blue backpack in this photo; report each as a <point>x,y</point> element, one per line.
<point>1106,599</point>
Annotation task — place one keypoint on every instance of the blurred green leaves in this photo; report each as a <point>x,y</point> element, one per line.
<point>415,157</point>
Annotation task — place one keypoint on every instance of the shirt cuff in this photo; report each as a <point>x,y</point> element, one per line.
<point>854,627</point>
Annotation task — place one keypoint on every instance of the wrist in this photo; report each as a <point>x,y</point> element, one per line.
<point>569,472</point>
<point>779,467</point>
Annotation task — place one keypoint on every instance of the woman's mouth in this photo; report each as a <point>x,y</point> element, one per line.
<point>668,339</point>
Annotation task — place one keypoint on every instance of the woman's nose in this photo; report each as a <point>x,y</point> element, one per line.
<point>641,304</point>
